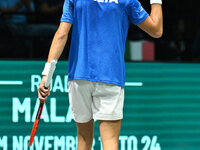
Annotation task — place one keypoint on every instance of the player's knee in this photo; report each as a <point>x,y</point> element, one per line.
<point>87,137</point>
<point>110,139</point>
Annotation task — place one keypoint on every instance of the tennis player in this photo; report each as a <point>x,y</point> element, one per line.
<point>96,61</point>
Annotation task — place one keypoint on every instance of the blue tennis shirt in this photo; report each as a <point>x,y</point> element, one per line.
<point>100,29</point>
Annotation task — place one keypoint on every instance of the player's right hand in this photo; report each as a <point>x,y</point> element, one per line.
<point>43,93</point>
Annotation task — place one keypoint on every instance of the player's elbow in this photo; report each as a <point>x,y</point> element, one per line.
<point>63,31</point>
<point>157,34</point>
<point>61,35</point>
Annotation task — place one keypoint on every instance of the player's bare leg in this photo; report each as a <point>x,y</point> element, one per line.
<point>85,135</point>
<point>110,131</point>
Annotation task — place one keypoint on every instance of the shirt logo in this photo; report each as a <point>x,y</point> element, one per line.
<point>107,1</point>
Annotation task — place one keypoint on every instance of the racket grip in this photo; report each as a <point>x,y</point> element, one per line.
<point>39,113</point>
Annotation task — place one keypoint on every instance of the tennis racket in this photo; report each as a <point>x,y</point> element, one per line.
<point>39,112</point>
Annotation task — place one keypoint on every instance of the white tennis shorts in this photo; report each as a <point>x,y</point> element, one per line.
<point>95,100</point>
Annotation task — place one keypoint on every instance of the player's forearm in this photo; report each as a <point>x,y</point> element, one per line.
<point>57,46</point>
<point>157,18</point>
